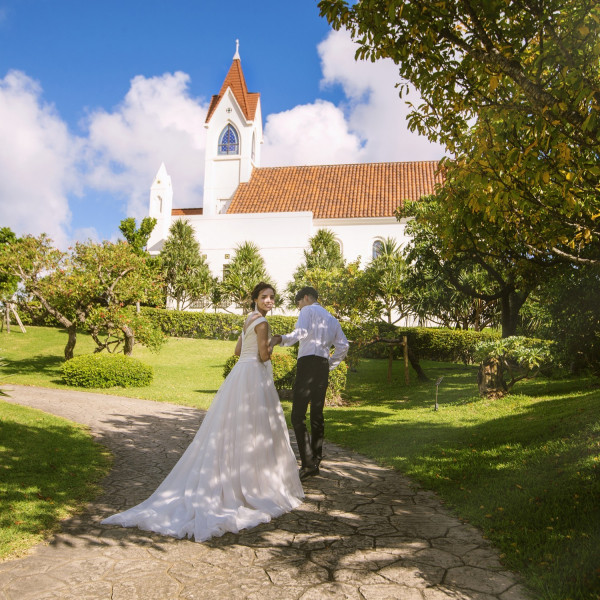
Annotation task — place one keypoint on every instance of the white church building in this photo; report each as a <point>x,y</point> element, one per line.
<point>280,208</point>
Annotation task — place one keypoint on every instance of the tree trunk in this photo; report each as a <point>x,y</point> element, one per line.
<point>72,330</point>
<point>511,303</point>
<point>490,379</point>
<point>129,341</point>
<point>414,362</point>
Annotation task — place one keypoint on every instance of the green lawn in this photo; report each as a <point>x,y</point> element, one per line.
<point>186,371</point>
<point>524,469</point>
<point>48,469</point>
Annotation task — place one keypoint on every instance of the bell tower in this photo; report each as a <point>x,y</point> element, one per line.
<point>161,205</point>
<point>233,139</point>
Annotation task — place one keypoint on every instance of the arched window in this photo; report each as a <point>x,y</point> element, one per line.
<point>229,141</point>
<point>253,146</point>
<point>377,248</point>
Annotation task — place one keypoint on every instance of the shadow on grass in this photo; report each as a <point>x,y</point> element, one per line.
<point>41,363</point>
<point>45,469</point>
<point>530,479</point>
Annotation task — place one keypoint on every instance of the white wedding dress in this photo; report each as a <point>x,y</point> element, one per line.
<point>238,471</point>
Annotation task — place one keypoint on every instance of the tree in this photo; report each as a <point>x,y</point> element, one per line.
<point>92,288</point>
<point>386,275</point>
<point>8,282</point>
<point>512,89</point>
<point>112,278</point>
<point>186,274</point>
<point>137,238</point>
<point>246,269</point>
<point>479,262</point>
<point>322,268</point>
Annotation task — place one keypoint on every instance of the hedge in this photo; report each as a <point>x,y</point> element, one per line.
<point>284,373</point>
<point>106,370</point>
<point>454,345</point>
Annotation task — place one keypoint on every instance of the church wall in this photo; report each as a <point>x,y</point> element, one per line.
<point>281,237</point>
<point>358,235</point>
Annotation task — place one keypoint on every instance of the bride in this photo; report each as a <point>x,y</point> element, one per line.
<point>240,469</point>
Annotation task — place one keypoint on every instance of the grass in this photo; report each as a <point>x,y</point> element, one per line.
<point>524,468</point>
<point>49,468</point>
<point>186,371</point>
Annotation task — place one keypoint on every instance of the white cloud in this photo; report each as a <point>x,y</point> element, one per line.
<point>310,134</point>
<point>370,126</point>
<point>157,121</point>
<point>37,158</point>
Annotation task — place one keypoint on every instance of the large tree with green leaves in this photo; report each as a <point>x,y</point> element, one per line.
<point>478,261</point>
<point>512,89</point>
<point>246,269</point>
<point>185,270</point>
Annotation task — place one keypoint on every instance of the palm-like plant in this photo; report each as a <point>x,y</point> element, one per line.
<point>246,269</point>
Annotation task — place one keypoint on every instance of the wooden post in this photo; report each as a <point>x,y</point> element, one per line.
<point>16,314</point>
<point>7,317</point>
<point>405,352</point>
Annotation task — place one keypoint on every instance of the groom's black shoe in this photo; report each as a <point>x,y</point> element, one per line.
<point>306,472</point>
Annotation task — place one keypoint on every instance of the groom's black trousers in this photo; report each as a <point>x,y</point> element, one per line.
<point>310,386</point>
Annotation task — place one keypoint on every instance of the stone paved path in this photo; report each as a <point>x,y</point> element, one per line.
<point>364,532</point>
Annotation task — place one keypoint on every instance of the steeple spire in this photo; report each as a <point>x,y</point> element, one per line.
<point>236,56</point>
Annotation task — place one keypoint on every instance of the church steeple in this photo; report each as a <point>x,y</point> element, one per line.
<point>233,138</point>
<point>236,82</point>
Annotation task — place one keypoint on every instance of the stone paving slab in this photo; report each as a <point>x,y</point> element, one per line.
<point>364,532</point>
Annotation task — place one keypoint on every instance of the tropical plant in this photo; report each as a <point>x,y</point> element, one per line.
<point>506,361</point>
<point>185,271</point>
<point>246,269</point>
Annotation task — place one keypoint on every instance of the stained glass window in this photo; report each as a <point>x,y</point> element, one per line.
<point>229,141</point>
<point>377,248</point>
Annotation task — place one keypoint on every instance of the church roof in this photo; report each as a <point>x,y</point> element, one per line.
<point>235,80</point>
<point>336,191</point>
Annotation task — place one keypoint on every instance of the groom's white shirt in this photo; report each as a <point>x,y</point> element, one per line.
<point>316,331</point>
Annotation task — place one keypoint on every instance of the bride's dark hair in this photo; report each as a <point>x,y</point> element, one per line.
<point>258,288</point>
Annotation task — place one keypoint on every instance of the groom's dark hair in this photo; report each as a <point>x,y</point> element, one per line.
<point>306,291</point>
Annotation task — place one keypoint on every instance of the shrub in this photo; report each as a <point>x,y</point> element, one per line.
<point>284,369</point>
<point>284,373</point>
<point>508,360</point>
<point>106,370</point>
<point>337,384</point>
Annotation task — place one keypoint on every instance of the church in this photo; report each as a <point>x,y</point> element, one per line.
<point>280,208</point>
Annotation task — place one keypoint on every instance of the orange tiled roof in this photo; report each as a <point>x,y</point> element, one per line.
<point>235,80</point>
<point>177,212</point>
<point>336,191</point>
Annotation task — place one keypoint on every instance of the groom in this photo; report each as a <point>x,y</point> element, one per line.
<point>316,331</point>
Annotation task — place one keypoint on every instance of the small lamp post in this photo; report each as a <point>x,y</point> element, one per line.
<point>437,387</point>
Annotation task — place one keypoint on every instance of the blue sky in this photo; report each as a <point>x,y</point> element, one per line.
<point>95,95</point>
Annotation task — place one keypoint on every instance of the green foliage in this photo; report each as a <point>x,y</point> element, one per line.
<point>512,91</point>
<point>246,269</point>
<point>519,357</point>
<point>284,369</point>
<point>385,277</point>
<point>569,314</point>
<point>105,371</point>
<point>137,238</point>
<point>8,281</point>
<point>185,270</point>
<point>284,373</point>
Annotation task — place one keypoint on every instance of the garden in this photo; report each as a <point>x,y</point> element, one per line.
<point>523,468</point>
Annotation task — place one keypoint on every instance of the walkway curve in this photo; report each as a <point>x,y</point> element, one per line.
<point>365,532</point>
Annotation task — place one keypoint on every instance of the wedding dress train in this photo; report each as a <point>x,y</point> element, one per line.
<point>238,471</point>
